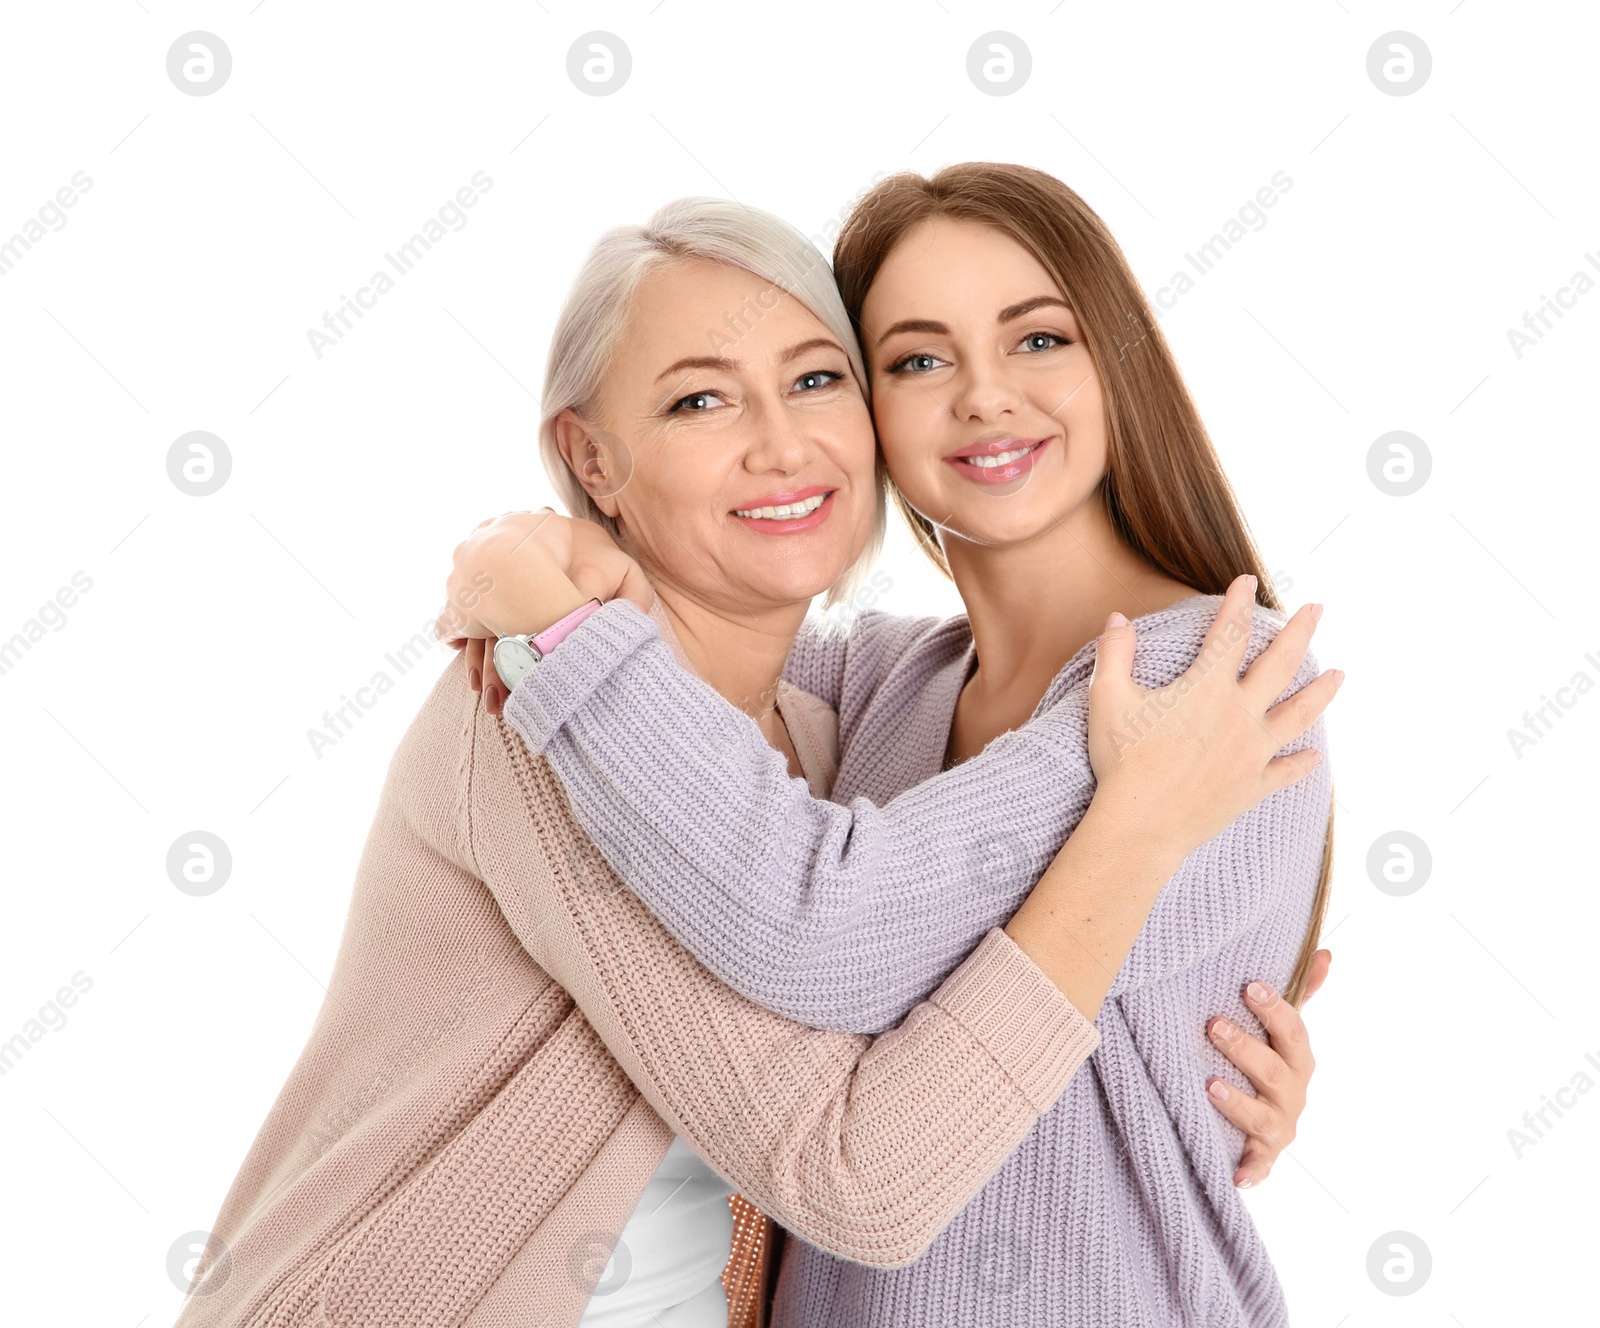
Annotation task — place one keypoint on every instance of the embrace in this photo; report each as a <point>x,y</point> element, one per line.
<point>712,961</point>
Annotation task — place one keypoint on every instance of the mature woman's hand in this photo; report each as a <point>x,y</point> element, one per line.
<point>1184,761</point>
<point>1279,1069</point>
<point>520,572</point>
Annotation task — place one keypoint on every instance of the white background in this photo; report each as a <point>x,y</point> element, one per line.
<point>178,693</point>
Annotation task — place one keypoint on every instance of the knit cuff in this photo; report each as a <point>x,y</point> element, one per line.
<point>1035,1034</point>
<point>555,688</point>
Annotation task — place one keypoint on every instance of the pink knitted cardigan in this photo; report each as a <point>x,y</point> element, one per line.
<point>510,1039</point>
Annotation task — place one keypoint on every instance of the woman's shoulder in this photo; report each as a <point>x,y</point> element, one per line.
<point>1189,620</point>
<point>1169,640</point>
<point>432,746</point>
<point>1172,637</point>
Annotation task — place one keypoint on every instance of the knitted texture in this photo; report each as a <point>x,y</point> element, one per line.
<point>1119,1209</point>
<point>460,1143</point>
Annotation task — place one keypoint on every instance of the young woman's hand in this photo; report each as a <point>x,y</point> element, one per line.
<point>1279,1069</point>
<point>1185,761</point>
<point>520,572</point>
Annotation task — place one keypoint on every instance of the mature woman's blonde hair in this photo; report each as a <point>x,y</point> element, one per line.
<point>595,316</point>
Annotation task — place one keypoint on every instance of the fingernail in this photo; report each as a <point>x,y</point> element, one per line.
<point>1316,613</point>
<point>1218,1090</point>
<point>1258,991</point>
<point>1246,1183</point>
<point>1253,583</point>
<point>1224,1030</point>
<point>1316,759</point>
<point>1116,620</point>
<point>1338,678</point>
<point>474,678</point>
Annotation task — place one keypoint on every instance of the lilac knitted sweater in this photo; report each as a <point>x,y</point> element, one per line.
<point>1119,1208</point>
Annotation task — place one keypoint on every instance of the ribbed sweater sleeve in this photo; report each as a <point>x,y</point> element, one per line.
<point>866,1148</point>
<point>840,917</point>
<point>844,917</point>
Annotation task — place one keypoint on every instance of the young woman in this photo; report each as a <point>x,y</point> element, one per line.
<point>517,1078</point>
<point>1060,473</point>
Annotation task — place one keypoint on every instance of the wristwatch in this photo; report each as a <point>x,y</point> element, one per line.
<point>515,655</point>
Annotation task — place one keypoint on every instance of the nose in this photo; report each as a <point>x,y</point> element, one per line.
<point>984,393</point>
<point>778,442</point>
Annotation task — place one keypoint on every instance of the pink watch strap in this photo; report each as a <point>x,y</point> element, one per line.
<point>557,632</point>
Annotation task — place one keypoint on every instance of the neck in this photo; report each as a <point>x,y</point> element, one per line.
<point>741,654</point>
<point>1033,605</point>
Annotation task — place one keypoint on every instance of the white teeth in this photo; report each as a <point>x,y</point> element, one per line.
<point>998,459</point>
<point>786,510</point>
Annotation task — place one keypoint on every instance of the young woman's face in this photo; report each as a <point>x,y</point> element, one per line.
<point>988,407</point>
<point>727,399</point>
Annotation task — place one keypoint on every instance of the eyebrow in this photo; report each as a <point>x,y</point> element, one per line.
<point>816,343</point>
<point>1014,311</point>
<point>698,362</point>
<point>914,325</point>
<point>1009,314</point>
<point>726,365</point>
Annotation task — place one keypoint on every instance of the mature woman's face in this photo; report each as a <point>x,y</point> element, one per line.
<point>728,399</point>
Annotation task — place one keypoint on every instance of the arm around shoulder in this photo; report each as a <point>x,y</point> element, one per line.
<point>798,903</point>
<point>864,1147</point>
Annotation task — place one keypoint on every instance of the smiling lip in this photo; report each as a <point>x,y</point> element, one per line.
<point>787,525</point>
<point>1000,474</point>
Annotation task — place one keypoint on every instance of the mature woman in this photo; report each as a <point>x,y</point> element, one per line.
<point>1058,477</point>
<point>464,1140</point>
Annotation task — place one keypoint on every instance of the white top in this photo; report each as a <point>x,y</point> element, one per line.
<point>666,1270</point>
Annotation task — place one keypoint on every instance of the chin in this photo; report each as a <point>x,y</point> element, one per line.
<point>999,523</point>
<point>790,586</point>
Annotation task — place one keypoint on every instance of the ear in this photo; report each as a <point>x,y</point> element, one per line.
<point>588,456</point>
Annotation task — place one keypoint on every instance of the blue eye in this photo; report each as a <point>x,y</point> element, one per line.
<point>694,402</point>
<point>918,362</point>
<point>1050,339</point>
<point>820,378</point>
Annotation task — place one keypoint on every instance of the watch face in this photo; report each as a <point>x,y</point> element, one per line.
<point>512,659</point>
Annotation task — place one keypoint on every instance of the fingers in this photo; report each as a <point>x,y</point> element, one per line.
<point>1279,1073</point>
<point>1317,974</point>
<point>454,626</point>
<point>1292,716</point>
<point>1113,656</point>
<point>1266,1070</point>
<point>1275,667</point>
<point>1282,771</point>
<point>494,691</point>
<point>636,587</point>
<point>1254,1166</point>
<point>1229,633</point>
<point>1285,1029</point>
<point>482,676</point>
<point>451,628</point>
<point>495,694</point>
<point>1260,1123</point>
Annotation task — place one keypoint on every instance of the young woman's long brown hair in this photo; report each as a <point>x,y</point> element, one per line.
<point>1164,488</point>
